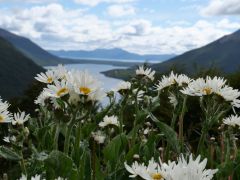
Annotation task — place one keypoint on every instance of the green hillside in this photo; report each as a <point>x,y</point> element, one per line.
<point>17,71</point>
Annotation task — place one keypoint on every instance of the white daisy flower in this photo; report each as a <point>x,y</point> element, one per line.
<point>135,169</point>
<point>145,72</point>
<point>48,77</point>
<point>229,94</point>
<point>146,131</point>
<point>5,115</point>
<point>123,85</point>
<point>216,85</point>
<point>41,98</point>
<point>60,72</point>
<point>233,120</point>
<point>73,98</point>
<point>20,118</point>
<point>58,89</point>
<point>172,79</point>
<point>56,104</point>
<point>197,88</point>
<point>173,100</point>
<point>60,178</point>
<point>109,120</point>
<point>150,172</point>
<point>183,169</point>
<point>201,87</point>
<point>84,83</point>
<point>166,81</point>
<point>36,177</point>
<point>99,137</point>
<point>8,139</point>
<point>182,79</point>
<point>236,103</point>
<point>97,95</point>
<point>187,169</point>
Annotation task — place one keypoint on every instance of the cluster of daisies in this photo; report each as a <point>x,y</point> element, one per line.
<point>76,84</point>
<point>108,121</point>
<point>187,169</point>
<point>37,177</point>
<point>216,85</point>
<point>7,117</point>
<point>201,87</point>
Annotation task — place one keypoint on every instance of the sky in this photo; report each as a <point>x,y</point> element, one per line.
<point>140,26</point>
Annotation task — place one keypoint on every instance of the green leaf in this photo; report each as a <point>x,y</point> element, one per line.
<point>114,149</point>
<point>85,164</point>
<point>132,151</point>
<point>9,154</point>
<point>169,133</point>
<point>59,164</point>
<point>87,129</point>
<point>149,148</point>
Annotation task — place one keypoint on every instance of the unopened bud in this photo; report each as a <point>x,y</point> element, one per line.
<point>212,138</point>
<point>148,123</point>
<point>161,149</point>
<point>136,156</point>
<point>26,131</point>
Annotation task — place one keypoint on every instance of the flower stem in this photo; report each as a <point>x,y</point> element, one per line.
<point>201,141</point>
<point>68,136</point>
<point>55,145</point>
<point>22,164</point>
<point>181,117</point>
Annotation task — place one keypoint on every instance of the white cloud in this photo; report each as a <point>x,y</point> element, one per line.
<point>222,7</point>
<point>96,2</point>
<point>120,10</point>
<point>226,24</point>
<point>30,1</point>
<point>55,27</point>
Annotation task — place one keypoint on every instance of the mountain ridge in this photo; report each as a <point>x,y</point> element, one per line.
<point>222,53</point>
<point>114,53</point>
<point>31,49</point>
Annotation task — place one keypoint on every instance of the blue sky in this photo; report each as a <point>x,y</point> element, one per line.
<point>141,26</point>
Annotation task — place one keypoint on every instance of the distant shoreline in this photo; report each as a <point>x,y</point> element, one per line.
<point>106,62</point>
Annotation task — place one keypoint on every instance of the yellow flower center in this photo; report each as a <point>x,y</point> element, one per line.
<point>85,90</point>
<point>157,176</point>
<point>50,80</point>
<point>207,91</point>
<point>1,118</point>
<point>62,91</point>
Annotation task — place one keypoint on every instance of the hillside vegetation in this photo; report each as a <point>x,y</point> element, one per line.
<point>17,70</point>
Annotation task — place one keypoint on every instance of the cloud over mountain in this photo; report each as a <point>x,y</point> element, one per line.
<point>222,7</point>
<point>56,26</point>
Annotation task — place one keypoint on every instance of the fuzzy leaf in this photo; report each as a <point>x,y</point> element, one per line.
<point>115,148</point>
<point>9,154</point>
<point>169,133</point>
<point>59,164</point>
